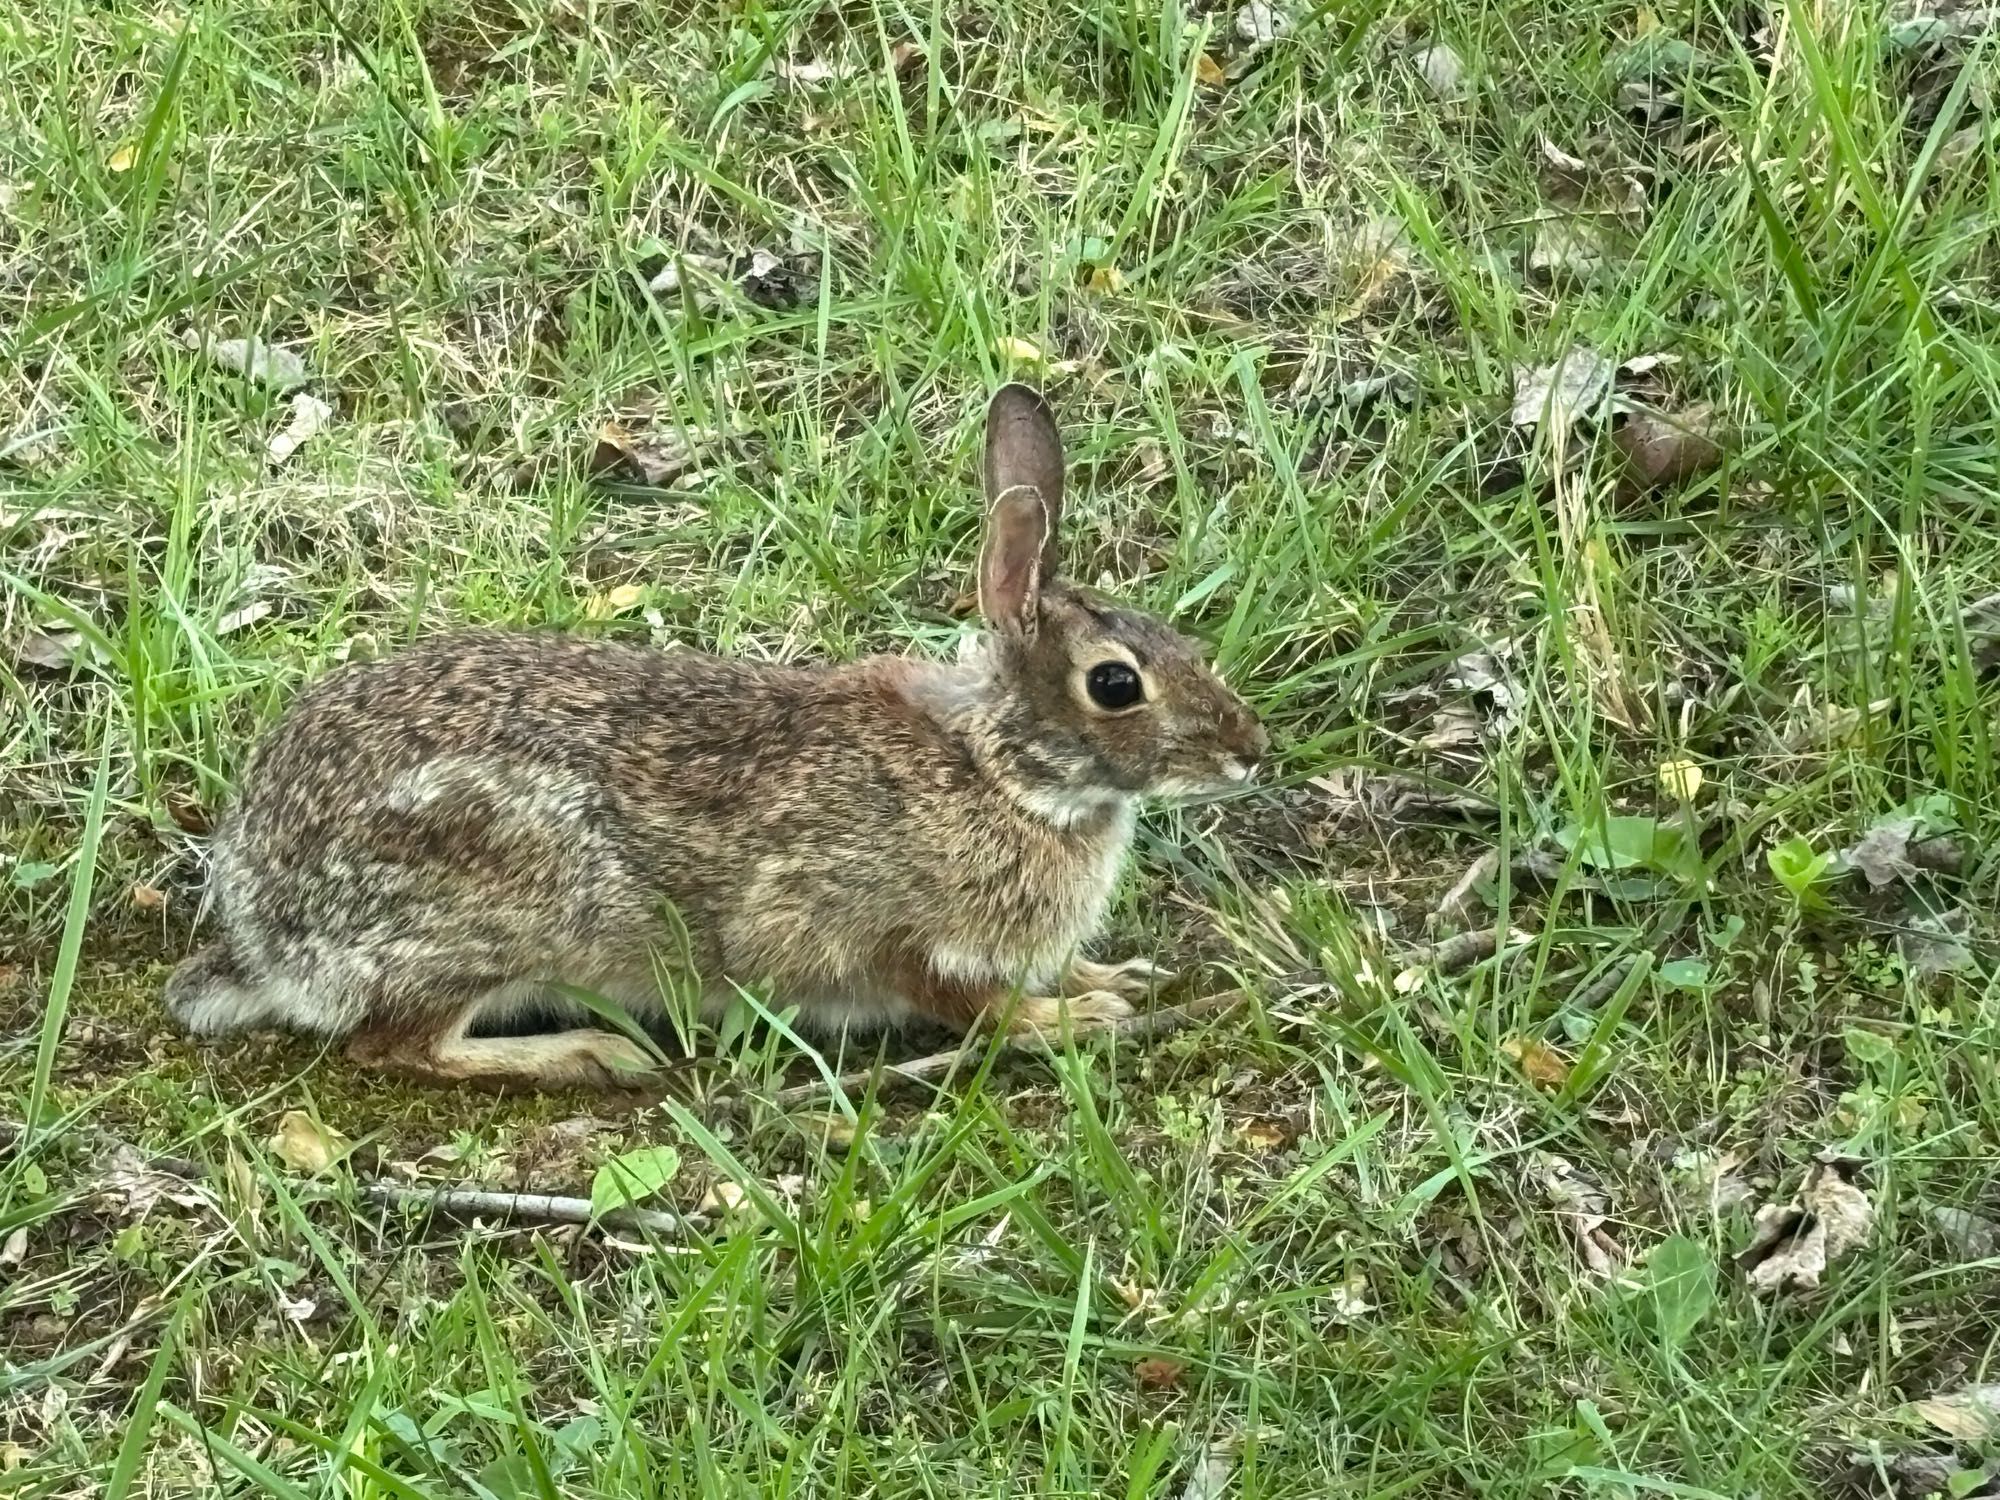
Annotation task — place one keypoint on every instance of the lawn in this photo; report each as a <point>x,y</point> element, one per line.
<point>1572,425</point>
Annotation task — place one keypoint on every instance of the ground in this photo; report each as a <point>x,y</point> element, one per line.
<point>674,322</point>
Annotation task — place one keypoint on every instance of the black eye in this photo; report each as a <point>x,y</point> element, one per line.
<point>1112,684</point>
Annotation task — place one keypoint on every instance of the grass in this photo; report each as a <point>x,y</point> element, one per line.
<point>1377,1233</point>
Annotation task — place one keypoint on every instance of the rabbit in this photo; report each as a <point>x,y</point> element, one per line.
<point>428,843</point>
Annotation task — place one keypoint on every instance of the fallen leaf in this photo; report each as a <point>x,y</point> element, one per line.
<point>310,417</point>
<point>653,459</point>
<point>148,897</point>
<point>122,160</point>
<point>1560,159</point>
<point>768,281</point>
<point>1208,1478</point>
<point>1883,853</point>
<point>1936,942</point>
<point>1209,73</point>
<point>52,650</point>
<point>669,278</point>
<point>811,72</point>
<point>1349,1301</point>
<point>1583,1204</point>
<point>256,360</point>
<point>1020,350</point>
<point>136,1186</point>
<point>1453,726</point>
<point>1680,779</point>
<point>1645,364</point>
<point>1971,1415</point>
<point>725,1197</point>
<point>1792,1244</point>
<point>1661,450</point>
<point>305,1145</point>
<point>1559,394</point>
<point>1972,1235</point>
<point>1158,1373</point>
<point>1542,1064</point>
<point>1441,69</point>
<point>243,617</point>
<point>1261,24</point>
<point>1566,247</point>
<point>1105,279</point>
<point>14,1249</point>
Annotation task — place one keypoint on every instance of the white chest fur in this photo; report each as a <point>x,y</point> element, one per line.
<point>1030,942</point>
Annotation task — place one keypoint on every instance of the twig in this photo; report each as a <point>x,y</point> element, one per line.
<point>1452,955</point>
<point>924,1069</point>
<point>1457,903</point>
<point>1604,986</point>
<point>531,1208</point>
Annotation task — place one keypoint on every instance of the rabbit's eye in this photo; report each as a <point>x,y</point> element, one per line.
<point>1113,684</point>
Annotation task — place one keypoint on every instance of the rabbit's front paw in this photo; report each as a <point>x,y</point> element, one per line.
<point>1046,1017</point>
<point>1135,978</point>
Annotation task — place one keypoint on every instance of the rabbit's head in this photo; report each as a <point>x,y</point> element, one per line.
<point>1102,702</point>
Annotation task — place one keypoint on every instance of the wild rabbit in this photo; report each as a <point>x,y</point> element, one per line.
<point>434,840</point>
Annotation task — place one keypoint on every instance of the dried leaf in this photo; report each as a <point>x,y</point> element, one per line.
<point>1972,1235</point>
<point>1584,1204</point>
<point>1660,450</point>
<point>1105,279</point>
<point>1442,70</point>
<point>147,897</point>
<point>1158,1373</point>
<point>1209,1477</point>
<point>136,1187</point>
<point>121,160</point>
<point>809,73</point>
<point>1883,854</point>
<point>256,360</point>
<point>1566,248</point>
<point>652,459</point>
<point>1971,1415</point>
<point>1543,1065</point>
<point>310,417</point>
<point>1020,350</point>
<point>1559,394</point>
<point>1792,1244</point>
<point>14,1249</point>
<point>1560,159</point>
<point>305,1145</point>
<point>53,650</point>
<point>1680,779</point>
<point>1261,24</point>
<point>1209,73</point>
<point>243,617</point>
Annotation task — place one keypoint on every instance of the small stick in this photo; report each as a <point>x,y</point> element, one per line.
<point>532,1208</point>
<point>1457,902</point>
<point>924,1069</point>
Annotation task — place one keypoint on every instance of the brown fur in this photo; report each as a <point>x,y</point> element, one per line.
<point>439,837</point>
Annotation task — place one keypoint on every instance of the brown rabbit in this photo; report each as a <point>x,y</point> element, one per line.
<point>434,840</point>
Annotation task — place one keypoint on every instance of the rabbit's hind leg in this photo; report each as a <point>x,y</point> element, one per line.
<point>436,1047</point>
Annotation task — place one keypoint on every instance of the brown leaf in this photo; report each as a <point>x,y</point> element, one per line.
<point>1792,1244</point>
<point>1158,1373</point>
<point>52,650</point>
<point>1971,1415</point>
<point>189,815</point>
<point>1209,73</point>
<point>1543,1065</point>
<point>653,459</point>
<point>1660,450</point>
<point>148,897</point>
<point>305,1145</point>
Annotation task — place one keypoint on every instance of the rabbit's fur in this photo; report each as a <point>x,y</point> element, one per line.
<point>436,839</point>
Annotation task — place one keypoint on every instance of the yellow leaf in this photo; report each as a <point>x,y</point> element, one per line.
<point>1107,279</point>
<point>1680,779</point>
<point>1022,351</point>
<point>625,596</point>
<point>122,159</point>
<point>1208,72</point>
<point>1541,1063</point>
<point>305,1145</point>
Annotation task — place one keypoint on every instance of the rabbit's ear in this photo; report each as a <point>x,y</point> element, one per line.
<point>1024,450</point>
<point>1010,561</point>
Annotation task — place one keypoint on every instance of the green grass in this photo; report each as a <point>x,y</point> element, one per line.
<point>1329,1244</point>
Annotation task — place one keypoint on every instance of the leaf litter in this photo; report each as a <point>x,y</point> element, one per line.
<point>1792,1244</point>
